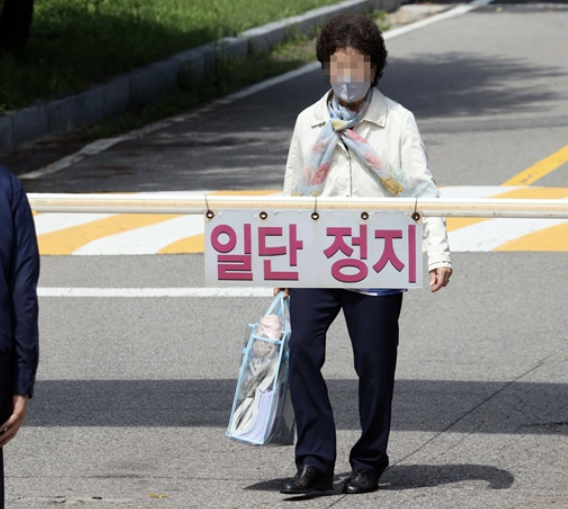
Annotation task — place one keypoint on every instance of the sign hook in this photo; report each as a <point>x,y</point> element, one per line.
<point>315,213</point>
<point>416,215</point>
<point>209,214</point>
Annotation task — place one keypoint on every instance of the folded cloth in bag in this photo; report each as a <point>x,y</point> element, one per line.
<point>262,409</point>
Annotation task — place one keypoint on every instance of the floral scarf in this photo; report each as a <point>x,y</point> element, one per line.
<point>340,126</point>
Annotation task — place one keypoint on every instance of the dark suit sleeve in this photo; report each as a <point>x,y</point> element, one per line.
<point>25,275</point>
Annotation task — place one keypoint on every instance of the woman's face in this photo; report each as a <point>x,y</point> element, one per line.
<point>348,65</point>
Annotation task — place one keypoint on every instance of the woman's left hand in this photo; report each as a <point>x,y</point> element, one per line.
<point>439,278</point>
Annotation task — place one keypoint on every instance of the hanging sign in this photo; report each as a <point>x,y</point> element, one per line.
<point>330,249</point>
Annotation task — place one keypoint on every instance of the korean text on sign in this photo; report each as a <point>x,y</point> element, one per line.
<point>289,248</point>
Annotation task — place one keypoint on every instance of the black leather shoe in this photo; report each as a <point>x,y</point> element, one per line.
<point>361,482</point>
<point>306,480</point>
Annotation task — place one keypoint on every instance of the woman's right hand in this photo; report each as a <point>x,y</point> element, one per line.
<point>286,291</point>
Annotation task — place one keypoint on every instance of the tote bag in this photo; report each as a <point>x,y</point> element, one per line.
<point>262,409</point>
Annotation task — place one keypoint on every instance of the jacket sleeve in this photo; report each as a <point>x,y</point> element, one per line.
<point>295,161</point>
<point>415,161</point>
<point>25,275</point>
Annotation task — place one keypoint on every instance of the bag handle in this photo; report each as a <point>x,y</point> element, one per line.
<point>278,303</point>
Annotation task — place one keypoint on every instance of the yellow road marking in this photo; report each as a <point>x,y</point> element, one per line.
<point>554,238</point>
<point>68,240</point>
<point>540,169</point>
<point>455,223</point>
<point>194,244</point>
<point>536,193</point>
<point>525,178</point>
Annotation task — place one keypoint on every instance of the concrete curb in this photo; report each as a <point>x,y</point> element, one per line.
<point>149,84</point>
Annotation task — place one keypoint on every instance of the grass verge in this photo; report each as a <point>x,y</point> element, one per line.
<point>77,42</point>
<point>228,76</point>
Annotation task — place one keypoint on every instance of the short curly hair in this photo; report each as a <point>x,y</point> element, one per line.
<point>357,31</point>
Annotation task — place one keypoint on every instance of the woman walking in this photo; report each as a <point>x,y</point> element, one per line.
<point>355,142</point>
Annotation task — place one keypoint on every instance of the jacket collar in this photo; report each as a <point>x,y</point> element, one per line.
<point>376,113</point>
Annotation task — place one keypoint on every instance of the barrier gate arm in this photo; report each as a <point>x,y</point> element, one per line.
<point>429,207</point>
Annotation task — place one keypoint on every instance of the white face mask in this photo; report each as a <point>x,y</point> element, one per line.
<point>351,92</point>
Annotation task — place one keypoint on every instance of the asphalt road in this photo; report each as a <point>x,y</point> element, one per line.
<point>133,394</point>
<point>489,93</point>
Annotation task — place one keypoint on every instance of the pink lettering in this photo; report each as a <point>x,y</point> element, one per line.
<point>295,245</point>
<point>223,229</point>
<point>248,240</point>
<point>269,231</point>
<point>412,253</point>
<point>358,265</point>
<point>361,241</point>
<point>388,251</point>
<point>274,275</point>
<point>234,267</point>
<point>338,243</point>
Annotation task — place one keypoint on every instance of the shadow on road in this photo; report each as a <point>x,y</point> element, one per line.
<point>407,477</point>
<point>245,144</point>
<point>419,405</point>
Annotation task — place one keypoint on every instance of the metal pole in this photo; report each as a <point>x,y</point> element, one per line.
<point>429,207</point>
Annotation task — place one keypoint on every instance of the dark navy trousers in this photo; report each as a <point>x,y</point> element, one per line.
<point>372,323</point>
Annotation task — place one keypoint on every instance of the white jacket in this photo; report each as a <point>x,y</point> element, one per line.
<point>392,131</point>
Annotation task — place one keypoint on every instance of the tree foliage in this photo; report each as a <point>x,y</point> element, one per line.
<point>15,24</point>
